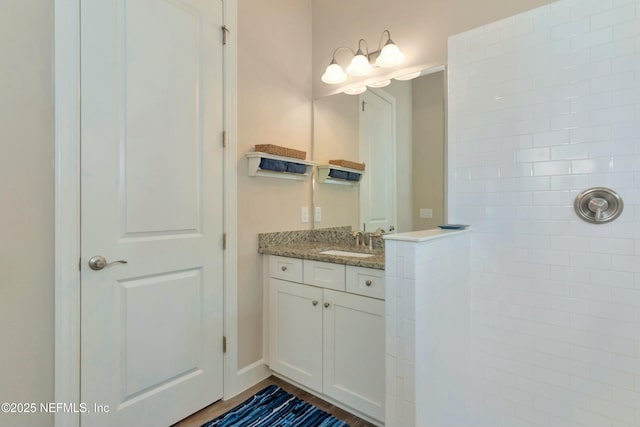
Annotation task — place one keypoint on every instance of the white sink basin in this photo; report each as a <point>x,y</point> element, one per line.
<point>345,253</point>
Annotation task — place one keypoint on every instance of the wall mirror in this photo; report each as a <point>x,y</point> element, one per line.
<point>399,132</point>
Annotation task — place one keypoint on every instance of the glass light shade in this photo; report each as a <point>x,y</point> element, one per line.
<point>359,66</point>
<point>409,76</point>
<point>382,83</point>
<point>356,90</point>
<point>334,74</point>
<point>390,56</point>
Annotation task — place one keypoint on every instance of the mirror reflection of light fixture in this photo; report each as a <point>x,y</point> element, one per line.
<point>409,76</point>
<point>381,83</point>
<point>356,90</point>
<point>361,63</point>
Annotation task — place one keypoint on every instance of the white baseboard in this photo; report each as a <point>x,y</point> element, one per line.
<point>249,376</point>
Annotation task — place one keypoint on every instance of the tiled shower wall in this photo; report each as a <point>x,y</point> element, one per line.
<point>542,106</point>
<point>427,336</point>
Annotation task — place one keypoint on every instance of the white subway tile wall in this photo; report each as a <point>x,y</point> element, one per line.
<point>542,106</point>
<point>428,328</point>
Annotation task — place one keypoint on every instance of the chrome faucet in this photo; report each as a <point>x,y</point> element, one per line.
<point>378,233</point>
<point>367,239</point>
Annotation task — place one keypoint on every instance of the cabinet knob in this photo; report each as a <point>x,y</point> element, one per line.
<point>326,305</point>
<point>314,303</point>
<point>368,283</point>
<point>284,268</point>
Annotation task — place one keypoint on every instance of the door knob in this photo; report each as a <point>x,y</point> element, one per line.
<point>99,262</point>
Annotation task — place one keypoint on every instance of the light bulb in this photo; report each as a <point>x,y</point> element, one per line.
<point>382,83</point>
<point>359,65</point>
<point>356,90</point>
<point>390,56</point>
<point>334,74</point>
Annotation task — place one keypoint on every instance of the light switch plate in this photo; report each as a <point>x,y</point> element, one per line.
<point>304,214</point>
<point>426,213</point>
<point>317,217</point>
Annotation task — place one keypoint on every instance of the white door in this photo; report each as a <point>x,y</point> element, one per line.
<point>295,332</point>
<point>151,99</point>
<point>378,151</point>
<point>354,347</point>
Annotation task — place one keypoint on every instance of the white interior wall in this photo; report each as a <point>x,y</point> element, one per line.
<point>420,28</point>
<point>542,106</point>
<point>274,107</point>
<point>26,207</point>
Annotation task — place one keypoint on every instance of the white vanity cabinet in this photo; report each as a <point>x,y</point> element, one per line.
<point>295,332</point>
<point>326,337</point>
<point>353,351</point>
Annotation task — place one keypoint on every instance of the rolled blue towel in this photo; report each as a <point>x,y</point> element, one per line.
<point>334,173</point>
<point>353,176</point>
<point>296,167</point>
<point>273,165</point>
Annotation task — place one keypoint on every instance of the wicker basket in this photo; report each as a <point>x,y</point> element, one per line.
<point>347,164</point>
<point>281,151</point>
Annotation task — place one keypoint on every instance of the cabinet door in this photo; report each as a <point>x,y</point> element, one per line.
<point>295,339</point>
<point>353,339</point>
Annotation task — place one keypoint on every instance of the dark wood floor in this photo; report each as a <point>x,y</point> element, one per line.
<point>219,408</point>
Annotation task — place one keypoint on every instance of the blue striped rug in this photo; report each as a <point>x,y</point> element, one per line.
<point>274,407</point>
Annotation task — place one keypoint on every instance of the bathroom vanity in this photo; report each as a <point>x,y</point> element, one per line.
<point>326,324</point>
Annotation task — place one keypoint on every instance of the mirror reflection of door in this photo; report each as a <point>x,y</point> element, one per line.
<point>417,199</point>
<point>378,152</point>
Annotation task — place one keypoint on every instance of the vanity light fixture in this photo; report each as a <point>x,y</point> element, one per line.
<point>334,74</point>
<point>390,55</point>
<point>386,56</point>
<point>360,65</point>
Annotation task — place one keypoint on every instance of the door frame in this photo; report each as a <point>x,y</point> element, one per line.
<point>67,209</point>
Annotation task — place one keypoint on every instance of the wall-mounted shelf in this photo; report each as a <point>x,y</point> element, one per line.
<point>254,166</point>
<point>323,175</point>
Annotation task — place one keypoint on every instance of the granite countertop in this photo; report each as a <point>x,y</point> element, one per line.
<point>307,244</point>
<point>311,251</point>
